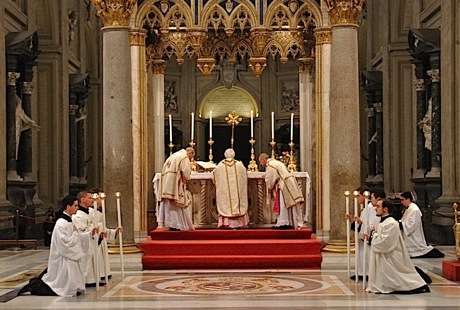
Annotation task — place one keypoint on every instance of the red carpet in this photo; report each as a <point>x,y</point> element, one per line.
<point>227,249</point>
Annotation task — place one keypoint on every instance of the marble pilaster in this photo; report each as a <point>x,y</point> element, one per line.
<point>73,146</point>
<point>420,89</point>
<point>345,152</point>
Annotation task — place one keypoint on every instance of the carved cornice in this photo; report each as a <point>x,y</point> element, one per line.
<point>323,36</point>
<point>137,37</point>
<point>114,12</point>
<point>345,12</point>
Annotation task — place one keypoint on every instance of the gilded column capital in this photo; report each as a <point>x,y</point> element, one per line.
<point>137,37</point>
<point>114,12</point>
<point>12,78</point>
<point>345,12</point>
<point>323,36</point>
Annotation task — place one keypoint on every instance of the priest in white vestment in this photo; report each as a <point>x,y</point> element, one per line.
<point>68,253</point>
<point>367,221</point>
<point>174,211</point>
<point>284,193</point>
<point>412,228</point>
<point>390,267</point>
<point>231,180</point>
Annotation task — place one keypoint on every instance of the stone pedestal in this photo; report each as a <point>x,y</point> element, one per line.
<point>117,126</point>
<point>345,152</point>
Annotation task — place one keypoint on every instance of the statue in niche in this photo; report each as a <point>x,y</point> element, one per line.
<point>289,99</point>
<point>171,98</point>
<point>425,125</point>
<point>73,21</point>
<point>23,122</point>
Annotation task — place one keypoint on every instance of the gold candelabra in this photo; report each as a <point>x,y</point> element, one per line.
<point>210,142</point>
<point>273,144</point>
<point>193,162</point>
<point>252,163</point>
<point>292,167</point>
<point>171,145</point>
<point>233,120</point>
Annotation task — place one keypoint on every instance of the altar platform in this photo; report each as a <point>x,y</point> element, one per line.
<point>231,249</point>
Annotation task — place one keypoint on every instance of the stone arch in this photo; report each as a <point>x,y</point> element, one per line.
<point>213,5</point>
<point>148,6</point>
<point>293,18</point>
<point>279,17</point>
<point>211,101</point>
<point>184,21</point>
<point>251,17</point>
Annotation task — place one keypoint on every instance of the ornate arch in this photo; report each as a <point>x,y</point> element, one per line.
<point>178,17</point>
<point>230,15</point>
<point>292,13</point>
<point>165,15</point>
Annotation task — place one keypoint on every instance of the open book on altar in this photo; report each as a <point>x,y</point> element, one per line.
<point>206,165</point>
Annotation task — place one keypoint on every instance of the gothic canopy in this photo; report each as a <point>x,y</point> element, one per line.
<point>238,30</point>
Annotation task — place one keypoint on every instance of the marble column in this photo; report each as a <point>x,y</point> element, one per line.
<point>323,38</point>
<point>140,167</point>
<point>345,152</point>
<point>117,111</point>
<point>306,106</point>
<point>157,84</point>
<point>450,114</point>
<point>12,173</point>
<point>434,75</point>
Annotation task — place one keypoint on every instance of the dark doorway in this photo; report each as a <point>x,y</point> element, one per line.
<point>221,136</point>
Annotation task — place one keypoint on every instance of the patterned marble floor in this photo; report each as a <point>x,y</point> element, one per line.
<point>236,289</point>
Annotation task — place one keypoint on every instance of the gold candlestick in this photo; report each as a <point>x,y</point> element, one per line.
<point>252,163</point>
<point>193,162</point>
<point>292,167</point>
<point>210,142</point>
<point>171,145</point>
<point>273,144</point>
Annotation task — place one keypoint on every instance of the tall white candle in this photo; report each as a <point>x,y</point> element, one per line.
<point>273,125</point>
<point>170,128</point>
<point>120,236</point>
<point>292,126</point>
<point>193,127</point>
<point>252,124</point>
<point>210,124</point>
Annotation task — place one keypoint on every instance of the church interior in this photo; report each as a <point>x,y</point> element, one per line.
<point>99,95</point>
